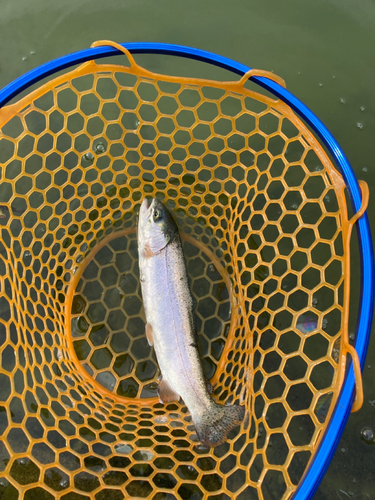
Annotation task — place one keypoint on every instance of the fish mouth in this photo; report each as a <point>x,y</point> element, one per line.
<point>146,209</point>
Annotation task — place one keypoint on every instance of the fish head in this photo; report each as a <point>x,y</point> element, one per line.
<point>156,227</point>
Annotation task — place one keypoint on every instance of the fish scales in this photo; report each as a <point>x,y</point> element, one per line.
<point>168,307</point>
<point>170,325</point>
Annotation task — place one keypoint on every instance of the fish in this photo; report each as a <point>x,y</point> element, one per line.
<point>170,326</point>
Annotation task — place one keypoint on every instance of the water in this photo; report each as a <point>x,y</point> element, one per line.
<point>123,449</point>
<point>368,435</point>
<point>297,40</point>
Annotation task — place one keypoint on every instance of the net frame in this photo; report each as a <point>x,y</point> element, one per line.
<point>322,457</point>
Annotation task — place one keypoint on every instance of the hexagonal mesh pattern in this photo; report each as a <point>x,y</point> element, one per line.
<point>262,216</point>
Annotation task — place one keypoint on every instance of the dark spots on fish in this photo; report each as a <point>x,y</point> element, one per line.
<point>194,345</point>
<point>209,386</point>
<point>212,427</point>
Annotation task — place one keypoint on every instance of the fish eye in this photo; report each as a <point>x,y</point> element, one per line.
<point>157,214</point>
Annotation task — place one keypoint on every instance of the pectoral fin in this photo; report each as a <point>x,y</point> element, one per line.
<point>149,334</point>
<point>166,393</point>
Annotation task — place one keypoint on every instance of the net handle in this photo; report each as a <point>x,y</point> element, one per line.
<point>101,43</point>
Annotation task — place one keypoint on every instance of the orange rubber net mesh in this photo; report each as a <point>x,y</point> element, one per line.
<point>265,231</point>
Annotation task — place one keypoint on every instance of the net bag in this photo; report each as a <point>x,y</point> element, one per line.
<point>261,210</point>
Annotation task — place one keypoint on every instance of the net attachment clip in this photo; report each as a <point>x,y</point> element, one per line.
<point>101,43</point>
<point>259,72</point>
<point>347,347</point>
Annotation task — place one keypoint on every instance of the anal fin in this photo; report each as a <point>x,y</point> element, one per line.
<point>166,393</point>
<point>149,334</point>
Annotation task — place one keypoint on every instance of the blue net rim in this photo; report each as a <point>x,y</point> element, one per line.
<point>335,427</point>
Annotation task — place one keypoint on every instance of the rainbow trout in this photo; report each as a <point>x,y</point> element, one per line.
<point>170,325</point>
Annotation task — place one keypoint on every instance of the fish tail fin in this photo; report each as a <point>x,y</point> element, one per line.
<point>215,424</point>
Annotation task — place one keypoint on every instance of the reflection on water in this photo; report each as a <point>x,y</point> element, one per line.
<point>307,322</point>
<point>123,449</point>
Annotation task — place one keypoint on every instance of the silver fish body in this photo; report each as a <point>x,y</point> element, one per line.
<point>170,325</point>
